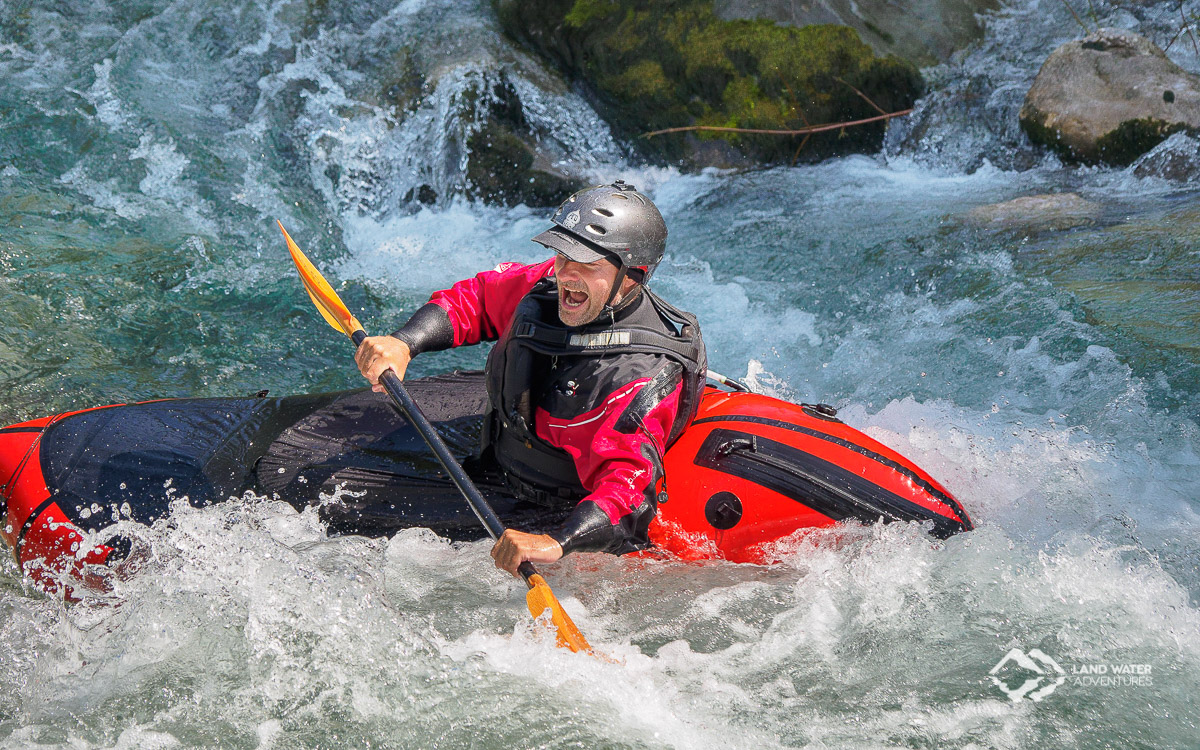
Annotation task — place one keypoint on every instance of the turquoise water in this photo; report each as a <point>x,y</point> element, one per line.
<point>1048,377</point>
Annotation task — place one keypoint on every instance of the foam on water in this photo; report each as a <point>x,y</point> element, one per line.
<point>433,248</point>
<point>247,610</point>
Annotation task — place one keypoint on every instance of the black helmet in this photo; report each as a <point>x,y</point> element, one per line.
<point>608,221</point>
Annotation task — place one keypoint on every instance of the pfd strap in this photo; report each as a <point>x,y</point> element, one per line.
<point>548,340</point>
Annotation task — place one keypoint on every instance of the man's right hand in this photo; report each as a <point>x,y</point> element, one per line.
<point>378,354</point>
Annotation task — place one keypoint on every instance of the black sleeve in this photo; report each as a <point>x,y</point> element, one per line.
<point>588,529</point>
<point>428,330</point>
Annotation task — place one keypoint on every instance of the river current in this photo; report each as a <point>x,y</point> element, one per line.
<point>1048,375</point>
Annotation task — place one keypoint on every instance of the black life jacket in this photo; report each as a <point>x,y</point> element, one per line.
<point>539,362</point>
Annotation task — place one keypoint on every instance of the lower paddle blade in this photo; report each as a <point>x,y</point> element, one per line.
<point>320,292</point>
<point>540,598</point>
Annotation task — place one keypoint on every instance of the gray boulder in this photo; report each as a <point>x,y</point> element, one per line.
<point>1036,213</point>
<point>924,32</point>
<point>1110,97</point>
<point>1176,159</point>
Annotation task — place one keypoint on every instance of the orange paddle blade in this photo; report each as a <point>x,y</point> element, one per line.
<point>328,303</point>
<point>540,598</point>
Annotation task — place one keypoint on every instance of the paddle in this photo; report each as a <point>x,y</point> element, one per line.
<point>540,597</point>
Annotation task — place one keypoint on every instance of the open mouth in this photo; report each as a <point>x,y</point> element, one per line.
<point>573,300</point>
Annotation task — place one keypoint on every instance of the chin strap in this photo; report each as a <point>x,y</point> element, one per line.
<point>622,272</point>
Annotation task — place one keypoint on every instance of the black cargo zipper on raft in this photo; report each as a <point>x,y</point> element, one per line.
<point>911,475</point>
<point>825,487</point>
<point>746,448</point>
<point>747,443</point>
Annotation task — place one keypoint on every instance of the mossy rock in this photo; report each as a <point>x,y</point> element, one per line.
<point>502,170</point>
<point>659,65</point>
<point>504,163</point>
<point>1133,138</point>
<point>503,166</point>
<point>1109,98</point>
<point>1119,147</point>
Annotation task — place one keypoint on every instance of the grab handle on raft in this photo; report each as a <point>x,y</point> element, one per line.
<point>736,385</point>
<point>334,311</point>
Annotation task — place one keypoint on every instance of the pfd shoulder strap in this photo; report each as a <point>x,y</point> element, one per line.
<point>547,338</point>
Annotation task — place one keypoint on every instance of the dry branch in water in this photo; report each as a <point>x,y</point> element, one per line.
<point>798,131</point>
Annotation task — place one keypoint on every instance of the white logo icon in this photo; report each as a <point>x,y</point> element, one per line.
<point>1048,675</point>
<point>571,220</point>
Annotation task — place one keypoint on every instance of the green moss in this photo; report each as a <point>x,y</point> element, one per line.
<point>1133,138</point>
<point>645,79</point>
<point>1039,133</point>
<point>673,63</point>
<point>501,170</point>
<point>588,11</point>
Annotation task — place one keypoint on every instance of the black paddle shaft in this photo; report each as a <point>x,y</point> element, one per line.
<point>412,412</point>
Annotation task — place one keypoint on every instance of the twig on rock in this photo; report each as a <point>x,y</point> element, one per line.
<point>1188,26</point>
<point>1078,20</point>
<point>865,98</point>
<point>803,143</point>
<point>798,131</point>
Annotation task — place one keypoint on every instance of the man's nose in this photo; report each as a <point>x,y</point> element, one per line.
<point>568,268</point>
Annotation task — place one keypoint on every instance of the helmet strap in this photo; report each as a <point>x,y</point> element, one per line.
<point>622,272</point>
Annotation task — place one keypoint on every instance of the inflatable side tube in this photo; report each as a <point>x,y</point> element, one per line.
<point>48,547</point>
<point>755,469</point>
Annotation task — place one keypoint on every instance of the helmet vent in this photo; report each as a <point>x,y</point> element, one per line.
<point>596,229</point>
<point>602,212</point>
<point>622,196</point>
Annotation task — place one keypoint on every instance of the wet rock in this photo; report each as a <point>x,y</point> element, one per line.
<point>1176,159</point>
<point>715,152</point>
<point>425,195</point>
<point>1110,97</point>
<point>923,32</point>
<point>962,126</point>
<point>503,161</point>
<point>648,70</point>
<point>1036,213</point>
<point>505,169</point>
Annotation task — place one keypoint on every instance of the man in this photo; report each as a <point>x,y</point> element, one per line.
<point>593,376</point>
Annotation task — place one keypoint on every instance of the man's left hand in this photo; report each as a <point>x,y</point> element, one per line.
<point>515,547</point>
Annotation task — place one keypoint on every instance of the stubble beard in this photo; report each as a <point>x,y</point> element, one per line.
<point>574,317</point>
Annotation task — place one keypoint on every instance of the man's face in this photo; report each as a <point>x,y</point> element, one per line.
<point>583,289</point>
